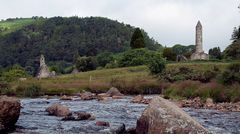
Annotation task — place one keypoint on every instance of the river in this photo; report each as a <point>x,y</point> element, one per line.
<point>34,119</point>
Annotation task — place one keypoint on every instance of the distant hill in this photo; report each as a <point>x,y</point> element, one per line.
<point>60,39</point>
<point>11,25</point>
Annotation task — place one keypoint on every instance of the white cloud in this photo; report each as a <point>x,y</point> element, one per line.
<point>168,21</point>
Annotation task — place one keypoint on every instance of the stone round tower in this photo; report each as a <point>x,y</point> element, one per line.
<point>199,53</point>
<point>199,40</point>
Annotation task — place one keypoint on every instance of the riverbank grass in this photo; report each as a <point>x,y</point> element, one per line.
<point>135,80</point>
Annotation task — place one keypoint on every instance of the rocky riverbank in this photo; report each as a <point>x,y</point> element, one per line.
<point>197,103</point>
<point>109,115</point>
<point>109,112</point>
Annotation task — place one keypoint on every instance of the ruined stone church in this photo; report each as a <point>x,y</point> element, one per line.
<point>199,53</point>
<point>44,70</point>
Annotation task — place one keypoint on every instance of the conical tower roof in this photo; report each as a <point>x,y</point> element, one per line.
<point>199,24</point>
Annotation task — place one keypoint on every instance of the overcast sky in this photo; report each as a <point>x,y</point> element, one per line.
<point>167,21</point>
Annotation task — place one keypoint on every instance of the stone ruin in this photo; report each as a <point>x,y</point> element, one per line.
<point>44,70</point>
<point>199,53</point>
<point>181,58</point>
<point>75,71</point>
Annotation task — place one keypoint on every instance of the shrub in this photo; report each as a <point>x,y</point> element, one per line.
<point>191,89</point>
<point>30,91</point>
<point>184,73</point>
<point>205,76</point>
<point>169,54</point>
<point>13,73</point>
<point>60,67</point>
<point>231,74</point>
<point>86,64</point>
<point>136,57</point>
<point>33,91</point>
<point>157,65</point>
<point>104,58</point>
<point>7,91</point>
<point>112,65</point>
<point>185,89</point>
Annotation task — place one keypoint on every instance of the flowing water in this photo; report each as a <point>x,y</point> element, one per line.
<point>35,120</point>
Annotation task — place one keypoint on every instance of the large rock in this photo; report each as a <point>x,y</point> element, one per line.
<point>85,116</point>
<point>58,110</point>
<point>140,99</point>
<point>163,117</point>
<point>113,92</point>
<point>87,96</point>
<point>102,123</point>
<point>9,112</point>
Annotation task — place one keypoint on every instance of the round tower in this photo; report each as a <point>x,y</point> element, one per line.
<point>199,40</point>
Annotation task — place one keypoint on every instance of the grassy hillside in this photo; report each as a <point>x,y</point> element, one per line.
<point>12,25</point>
<point>130,80</point>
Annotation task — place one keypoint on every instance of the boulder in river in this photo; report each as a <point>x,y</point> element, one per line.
<point>121,129</point>
<point>85,116</point>
<point>114,92</point>
<point>137,99</point>
<point>162,117</point>
<point>87,96</point>
<point>64,97</point>
<point>69,118</point>
<point>102,98</point>
<point>140,99</point>
<point>9,112</point>
<point>117,97</point>
<point>102,123</point>
<point>58,110</point>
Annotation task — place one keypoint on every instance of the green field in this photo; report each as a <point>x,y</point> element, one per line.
<point>9,26</point>
<point>130,80</point>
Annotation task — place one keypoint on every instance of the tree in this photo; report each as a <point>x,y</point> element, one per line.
<point>233,50</point>
<point>215,53</point>
<point>236,34</point>
<point>137,40</point>
<point>169,54</point>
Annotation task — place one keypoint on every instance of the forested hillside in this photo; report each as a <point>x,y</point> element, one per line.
<point>61,39</point>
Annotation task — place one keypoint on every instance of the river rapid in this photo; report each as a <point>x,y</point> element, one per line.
<point>34,119</point>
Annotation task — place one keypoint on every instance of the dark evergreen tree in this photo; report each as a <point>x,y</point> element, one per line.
<point>215,53</point>
<point>137,40</point>
<point>236,34</point>
<point>233,50</point>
